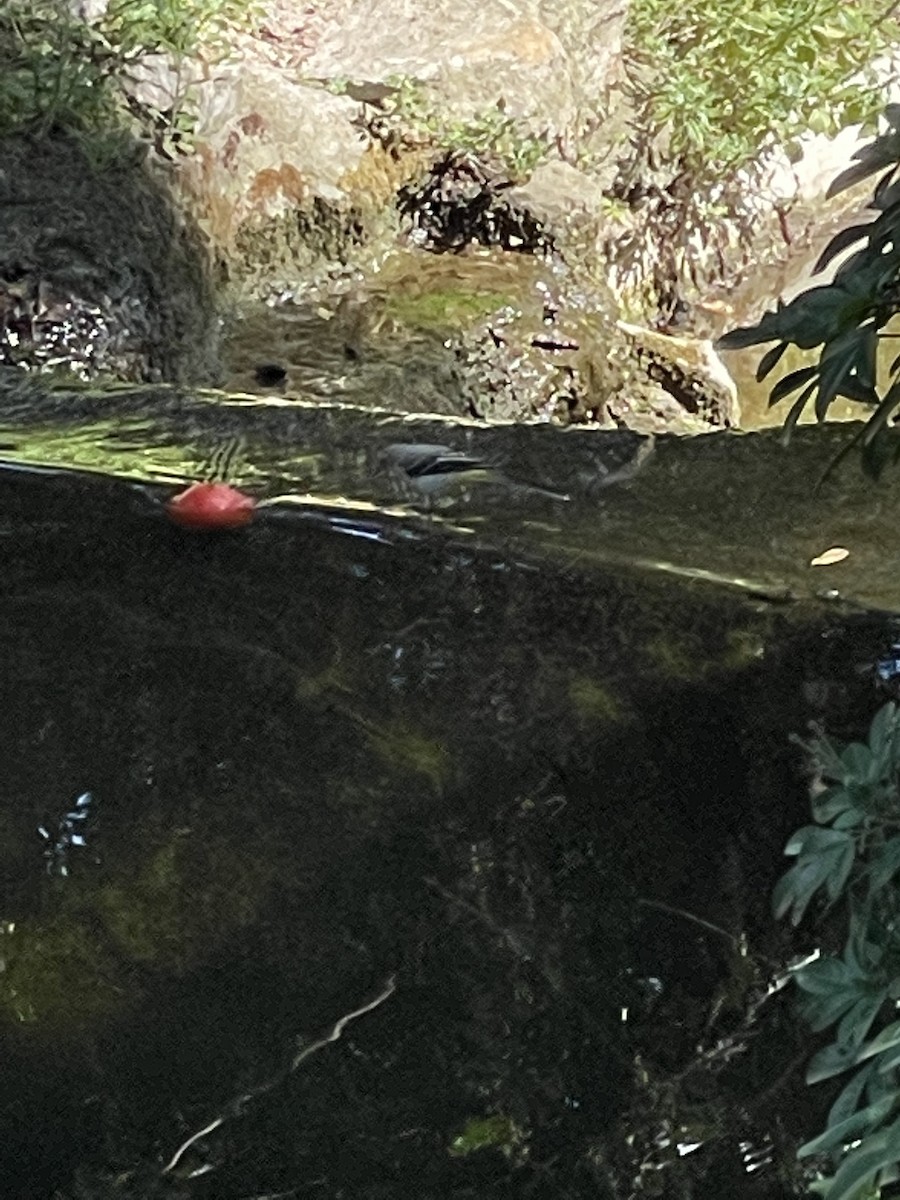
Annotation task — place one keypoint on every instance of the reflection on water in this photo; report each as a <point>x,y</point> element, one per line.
<point>250,779</point>
<point>389,849</point>
<point>742,510</point>
<point>447,801</point>
<point>70,832</point>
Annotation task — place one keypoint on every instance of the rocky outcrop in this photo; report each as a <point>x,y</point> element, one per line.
<point>327,136</point>
<point>335,110</point>
<point>99,272</point>
<point>688,370</point>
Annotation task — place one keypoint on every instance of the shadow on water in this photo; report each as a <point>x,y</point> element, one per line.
<point>355,866</point>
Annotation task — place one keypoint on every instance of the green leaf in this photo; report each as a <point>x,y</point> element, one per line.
<point>852,388</point>
<point>867,365</point>
<point>856,1024</point>
<point>851,268</point>
<point>821,1011</point>
<point>827,758</point>
<point>837,1135</point>
<point>789,383</point>
<point>861,1166</point>
<point>831,803</point>
<point>796,412</point>
<point>825,976</point>
<point>884,727</point>
<point>812,318</point>
<point>842,859</point>
<point>851,818</point>
<point>883,231</point>
<point>811,839</point>
<point>884,412</point>
<point>829,1062</point>
<point>848,1100</point>
<point>839,359</point>
<point>886,1040</point>
<point>888,1061</point>
<point>821,1187</point>
<point>861,954</point>
<point>857,759</point>
<point>882,152</point>
<point>748,335</point>
<point>823,315</point>
<point>824,858</point>
<point>794,890</point>
<point>839,243</point>
<point>885,865</point>
<point>769,361</point>
<point>840,989</point>
<point>887,192</point>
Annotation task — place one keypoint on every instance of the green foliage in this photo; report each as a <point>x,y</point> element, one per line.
<point>725,80</point>
<point>57,71</point>
<point>491,133</point>
<point>851,856</point>
<point>594,701</point>
<point>847,318</point>
<point>405,750</point>
<point>53,69</point>
<point>174,27</point>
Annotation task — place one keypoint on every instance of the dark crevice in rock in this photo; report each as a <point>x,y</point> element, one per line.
<point>462,201</point>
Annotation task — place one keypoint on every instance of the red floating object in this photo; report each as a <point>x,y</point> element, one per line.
<point>211,506</point>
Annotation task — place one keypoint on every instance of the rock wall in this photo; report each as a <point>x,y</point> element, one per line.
<point>99,271</point>
<point>342,106</point>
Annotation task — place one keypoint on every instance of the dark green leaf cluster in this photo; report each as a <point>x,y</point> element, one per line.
<point>851,856</point>
<point>848,316</point>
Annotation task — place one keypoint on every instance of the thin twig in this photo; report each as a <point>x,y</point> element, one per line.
<point>236,1107</point>
<point>338,1027</point>
<point>689,916</point>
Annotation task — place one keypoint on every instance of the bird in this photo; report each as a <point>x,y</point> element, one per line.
<point>436,471</point>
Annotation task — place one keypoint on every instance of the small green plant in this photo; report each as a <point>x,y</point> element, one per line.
<point>174,27</point>
<point>851,855</point>
<point>479,1133</point>
<point>490,133</point>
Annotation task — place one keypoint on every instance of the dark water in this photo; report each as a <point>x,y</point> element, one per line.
<point>395,857</point>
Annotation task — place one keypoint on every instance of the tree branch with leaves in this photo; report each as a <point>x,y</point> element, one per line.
<point>848,317</point>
